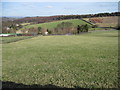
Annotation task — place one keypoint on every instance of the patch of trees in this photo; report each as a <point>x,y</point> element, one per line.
<point>88,16</point>
<point>69,28</point>
<point>82,28</point>
<point>36,20</point>
<point>63,28</point>
<point>10,27</point>
<point>33,31</point>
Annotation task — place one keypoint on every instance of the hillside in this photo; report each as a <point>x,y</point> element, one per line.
<point>8,22</point>
<point>38,19</point>
<point>110,21</point>
<point>10,18</point>
<point>52,25</point>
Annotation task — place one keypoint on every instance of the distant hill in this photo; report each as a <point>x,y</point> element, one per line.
<point>51,21</point>
<point>37,20</point>
<point>10,18</point>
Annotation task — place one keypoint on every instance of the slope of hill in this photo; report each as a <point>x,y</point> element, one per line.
<point>52,25</point>
<point>10,18</point>
<point>37,19</point>
<point>8,21</point>
<point>110,21</point>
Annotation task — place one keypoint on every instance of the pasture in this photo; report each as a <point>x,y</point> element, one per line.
<point>84,61</point>
<point>52,25</point>
<point>13,39</point>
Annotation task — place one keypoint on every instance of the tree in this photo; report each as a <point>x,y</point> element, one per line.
<point>78,29</point>
<point>82,28</point>
<point>49,32</point>
<point>39,30</point>
<point>64,27</point>
<point>33,31</point>
<point>86,28</point>
<point>13,27</point>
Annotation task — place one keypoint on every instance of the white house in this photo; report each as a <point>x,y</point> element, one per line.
<point>8,28</point>
<point>46,33</point>
<point>17,24</point>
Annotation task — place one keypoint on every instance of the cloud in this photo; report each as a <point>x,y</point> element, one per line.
<point>28,4</point>
<point>49,6</point>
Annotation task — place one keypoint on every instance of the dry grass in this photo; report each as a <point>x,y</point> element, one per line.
<point>110,21</point>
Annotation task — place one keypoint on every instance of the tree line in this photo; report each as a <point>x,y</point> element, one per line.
<point>37,19</point>
<point>61,29</point>
<point>88,16</point>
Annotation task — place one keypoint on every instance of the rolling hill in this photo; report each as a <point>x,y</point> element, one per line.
<point>52,25</point>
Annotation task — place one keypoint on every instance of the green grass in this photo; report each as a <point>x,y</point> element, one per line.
<point>99,28</point>
<point>87,60</point>
<point>14,39</point>
<point>52,25</point>
<point>92,29</point>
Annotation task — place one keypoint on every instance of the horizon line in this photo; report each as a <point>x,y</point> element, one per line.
<point>57,15</point>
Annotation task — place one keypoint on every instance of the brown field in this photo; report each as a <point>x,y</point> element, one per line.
<point>110,21</point>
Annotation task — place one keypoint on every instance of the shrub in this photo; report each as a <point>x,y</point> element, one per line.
<point>94,26</point>
<point>82,28</point>
<point>63,28</point>
<point>39,30</point>
<point>33,31</point>
<point>49,32</point>
<point>86,27</point>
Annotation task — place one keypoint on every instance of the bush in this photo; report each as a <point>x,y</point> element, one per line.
<point>39,30</point>
<point>33,31</point>
<point>49,32</point>
<point>63,28</point>
<point>82,28</point>
<point>94,26</point>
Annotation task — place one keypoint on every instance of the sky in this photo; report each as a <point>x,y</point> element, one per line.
<point>60,0</point>
<point>56,8</point>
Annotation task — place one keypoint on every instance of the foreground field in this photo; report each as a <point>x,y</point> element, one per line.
<point>14,39</point>
<point>84,61</point>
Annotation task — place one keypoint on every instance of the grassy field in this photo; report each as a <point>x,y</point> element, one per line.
<point>95,29</point>
<point>14,39</point>
<point>84,61</point>
<point>52,25</point>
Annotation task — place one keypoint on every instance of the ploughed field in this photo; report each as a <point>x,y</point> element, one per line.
<point>79,61</point>
<point>110,21</point>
